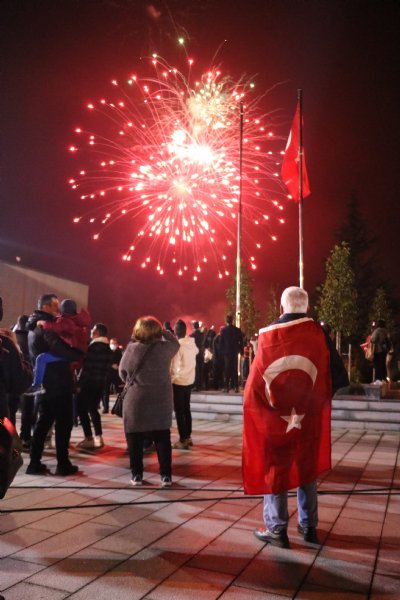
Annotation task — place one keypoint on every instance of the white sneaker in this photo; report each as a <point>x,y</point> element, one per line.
<point>98,441</point>
<point>86,443</point>
<point>136,480</point>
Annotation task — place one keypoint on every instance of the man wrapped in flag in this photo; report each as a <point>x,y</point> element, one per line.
<point>287,407</point>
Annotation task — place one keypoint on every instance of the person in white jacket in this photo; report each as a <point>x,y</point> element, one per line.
<point>183,370</point>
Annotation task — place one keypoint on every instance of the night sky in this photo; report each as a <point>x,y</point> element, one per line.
<point>58,54</point>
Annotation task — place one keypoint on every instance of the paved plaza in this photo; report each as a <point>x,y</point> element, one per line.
<point>100,539</point>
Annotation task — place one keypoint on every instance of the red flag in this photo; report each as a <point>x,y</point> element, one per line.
<point>290,171</point>
<point>286,409</point>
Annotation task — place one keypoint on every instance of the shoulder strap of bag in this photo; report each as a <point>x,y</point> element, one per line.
<point>131,378</point>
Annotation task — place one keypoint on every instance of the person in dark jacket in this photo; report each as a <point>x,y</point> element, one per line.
<point>198,336</point>
<point>114,382</point>
<point>21,334</point>
<point>55,405</point>
<point>217,362</point>
<point>231,346</point>
<point>15,371</point>
<point>92,384</point>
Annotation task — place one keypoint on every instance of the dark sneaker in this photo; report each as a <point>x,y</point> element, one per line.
<point>309,534</point>
<point>166,481</point>
<point>136,480</point>
<point>38,468</point>
<point>67,469</point>
<point>35,389</point>
<point>279,539</point>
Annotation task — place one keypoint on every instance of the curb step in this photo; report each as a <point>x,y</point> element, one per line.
<point>348,411</point>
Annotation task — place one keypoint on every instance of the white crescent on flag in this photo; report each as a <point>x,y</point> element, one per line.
<point>286,363</point>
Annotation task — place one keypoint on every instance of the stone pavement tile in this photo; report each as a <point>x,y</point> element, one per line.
<point>123,516</point>
<point>59,522</point>
<point>191,583</point>
<point>178,512</point>
<point>76,571</point>
<point>228,553</point>
<point>64,544</point>
<point>359,553</point>
<point>136,536</point>
<point>238,593</point>
<point>276,570</point>
<point>225,510</point>
<point>133,578</point>
<point>13,571</point>
<point>312,592</point>
<point>253,518</point>
<point>355,514</point>
<point>15,540</point>
<point>389,560</point>
<point>340,574</point>
<point>193,535</point>
<point>391,529</point>
<point>11,521</point>
<point>394,505</point>
<point>385,587</point>
<point>360,531</point>
<point>28,591</point>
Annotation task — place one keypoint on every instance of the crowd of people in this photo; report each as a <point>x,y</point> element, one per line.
<point>58,372</point>
<point>75,368</point>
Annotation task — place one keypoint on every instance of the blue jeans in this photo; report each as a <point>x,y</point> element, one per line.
<point>276,514</point>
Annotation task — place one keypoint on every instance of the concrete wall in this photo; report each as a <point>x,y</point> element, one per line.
<point>20,289</point>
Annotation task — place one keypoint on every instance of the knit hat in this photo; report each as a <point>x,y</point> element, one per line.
<point>68,307</point>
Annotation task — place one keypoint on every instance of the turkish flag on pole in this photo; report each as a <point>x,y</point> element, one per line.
<point>287,408</point>
<point>290,171</point>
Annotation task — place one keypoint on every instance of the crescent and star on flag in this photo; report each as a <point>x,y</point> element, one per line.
<point>286,363</point>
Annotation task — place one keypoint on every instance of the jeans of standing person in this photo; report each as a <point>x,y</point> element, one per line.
<point>53,408</point>
<point>162,441</point>
<point>88,401</point>
<point>182,410</point>
<point>276,514</point>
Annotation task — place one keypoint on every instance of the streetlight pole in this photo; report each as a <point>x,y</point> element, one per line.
<point>239,224</point>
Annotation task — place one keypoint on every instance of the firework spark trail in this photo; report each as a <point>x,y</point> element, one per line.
<point>168,163</point>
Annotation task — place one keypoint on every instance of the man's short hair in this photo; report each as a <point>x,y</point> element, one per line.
<point>294,300</point>
<point>229,319</point>
<point>46,299</point>
<point>180,328</point>
<point>101,329</point>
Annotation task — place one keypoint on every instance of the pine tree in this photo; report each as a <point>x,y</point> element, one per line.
<point>248,312</point>
<point>362,259</point>
<point>381,309</point>
<point>272,312</point>
<point>337,304</point>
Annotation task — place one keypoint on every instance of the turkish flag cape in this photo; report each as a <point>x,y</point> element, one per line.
<point>287,408</point>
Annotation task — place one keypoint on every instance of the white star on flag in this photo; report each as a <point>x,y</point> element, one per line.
<point>293,420</point>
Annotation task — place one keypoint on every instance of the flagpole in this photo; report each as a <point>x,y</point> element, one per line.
<point>239,223</point>
<point>301,259</point>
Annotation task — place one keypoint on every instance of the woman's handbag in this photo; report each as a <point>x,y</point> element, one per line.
<point>118,404</point>
<point>10,454</point>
